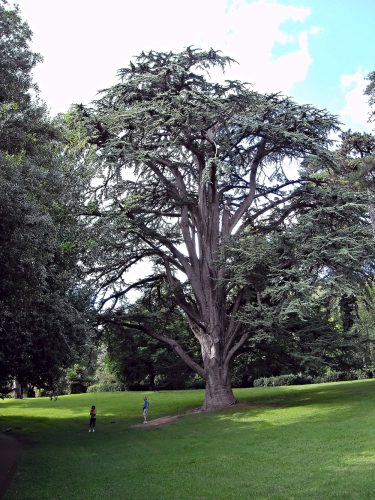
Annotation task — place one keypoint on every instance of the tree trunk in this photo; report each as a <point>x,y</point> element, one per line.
<point>371,210</point>
<point>218,392</point>
<point>218,388</point>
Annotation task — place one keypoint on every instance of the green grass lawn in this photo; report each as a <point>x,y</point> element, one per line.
<point>282,443</point>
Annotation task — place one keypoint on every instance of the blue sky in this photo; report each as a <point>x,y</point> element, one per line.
<point>317,51</point>
<point>344,46</point>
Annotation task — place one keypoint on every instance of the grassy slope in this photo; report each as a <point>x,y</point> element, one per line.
<point>289,442</point>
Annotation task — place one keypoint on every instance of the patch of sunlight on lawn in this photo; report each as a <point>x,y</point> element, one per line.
<point>363,458</point>
<point>283,416</point>
<point>55,413</point>
<point>43,408</point>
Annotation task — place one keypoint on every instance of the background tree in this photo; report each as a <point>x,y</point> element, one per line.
<point>370,92</point>
<point>42,322</point>
<point>186,165</point>
<point>137,355</point>
<point>357,166</point>
<point>304,284</point>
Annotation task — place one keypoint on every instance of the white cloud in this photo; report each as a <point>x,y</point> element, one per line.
<point>85,42</point>
<point>258,30</point>
<point>355,113</point>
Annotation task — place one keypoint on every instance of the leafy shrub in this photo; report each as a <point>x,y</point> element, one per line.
<point>197,383</point>
<point>329,376</point>
<point>109,387</point>
<point>333,376</point>
<point>279,380</point>
<point>361,374</point>
<point>77,387</point>
<point>337,376</point>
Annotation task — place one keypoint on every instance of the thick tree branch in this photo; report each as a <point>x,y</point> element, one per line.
<point>243,208</point>
<point>236,347</point>
<point>132,286</point>
<point>127,323</point>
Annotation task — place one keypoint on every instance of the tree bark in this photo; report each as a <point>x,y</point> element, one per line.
<point>371,210</point>
<point>218,393</point>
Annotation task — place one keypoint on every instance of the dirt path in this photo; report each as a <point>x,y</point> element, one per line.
<point>157,422</point>
<point>10,454</point>
<point>169,419</point>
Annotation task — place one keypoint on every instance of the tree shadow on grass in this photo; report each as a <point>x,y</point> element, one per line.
<point>333,403</point>
<point>352,392</point>
<point>309,443</point>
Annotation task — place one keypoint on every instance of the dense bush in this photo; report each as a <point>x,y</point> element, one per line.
<point>337,376</point>
<point>334,376</point>
<point>197,383</point>
<point>300,379</point>
<point>362,374</point>
<point>78,378</point>
<point>109,387</point>
<point>289,379</point>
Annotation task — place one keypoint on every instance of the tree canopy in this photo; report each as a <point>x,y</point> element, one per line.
<point>185,166</point>
<point>229,210</point>
<point>41,325</point>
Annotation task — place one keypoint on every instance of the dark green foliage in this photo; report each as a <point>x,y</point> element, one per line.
<point>283,380</point>
<point>139,360</point>
<point>303,285</point>
<point>302,379</point>
<point>348,311</point>
<point>106,387</point>
<point>78,378</point>
<point>17,60</point>
<point>42,324</point>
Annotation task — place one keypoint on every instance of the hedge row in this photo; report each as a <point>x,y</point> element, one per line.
<point>117,386</point>
<point>108,387</point>
<point>300,379</point>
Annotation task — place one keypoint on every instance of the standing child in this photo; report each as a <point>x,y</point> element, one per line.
<point>146,404</point>
<point>92,419</point>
